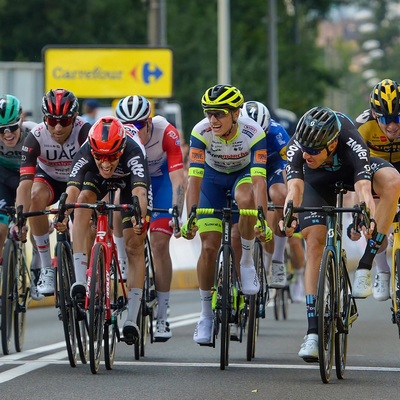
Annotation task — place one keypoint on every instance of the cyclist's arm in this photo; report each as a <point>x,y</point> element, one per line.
<point>193,192</point>
<point>363,190</point>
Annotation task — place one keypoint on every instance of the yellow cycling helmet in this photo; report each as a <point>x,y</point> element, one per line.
<point>385,98</point>
<point>222,97</point>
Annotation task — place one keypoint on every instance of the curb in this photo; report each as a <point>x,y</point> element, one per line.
<point>181,279</point>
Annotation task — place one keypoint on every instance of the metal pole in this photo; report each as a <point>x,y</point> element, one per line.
<point>273,57</point>
<point>224,42</point>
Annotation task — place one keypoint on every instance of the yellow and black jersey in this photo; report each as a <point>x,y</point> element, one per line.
<point>377,142</point>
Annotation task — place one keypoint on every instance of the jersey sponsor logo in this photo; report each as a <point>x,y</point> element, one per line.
<point>77,166</point>
<point>247,132</point>
<point>196,156</point>
<point>173,135</point>
<point>383,138</point>
<point>136,167</point>
<point>231,156</point>
<point>291,151</point>
<point>260,157</point>
<point>358,149</point>
<point>251,129</point>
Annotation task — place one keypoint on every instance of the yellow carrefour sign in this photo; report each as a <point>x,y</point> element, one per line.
<point>109,72</point>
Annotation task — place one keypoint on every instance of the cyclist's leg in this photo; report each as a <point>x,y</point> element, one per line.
<point>297,260</point>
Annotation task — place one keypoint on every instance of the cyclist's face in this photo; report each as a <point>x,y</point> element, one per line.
<point>316,160</point>
<point>391,130</point>
<point>221,120</point>
<point>10,135</point>
<point>106,167</point>
<point>59,132</point>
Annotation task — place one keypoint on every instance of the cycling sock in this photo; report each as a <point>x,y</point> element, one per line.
<point>120,243</point>
<point>311,317</point>
<point>267,258</point>
<point>279,248</point>
<point>163,301</point>
<point>247,252</point>
<point>205,298</point>
<point>371,251</point>
<point>43,246</point>
<point>134,298</point>
<point>382,265</point>
<point>80,263</point>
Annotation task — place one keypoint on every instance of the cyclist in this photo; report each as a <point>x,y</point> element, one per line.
<point>111,152</point>
<point>380,128</point>
<point>327,148</point>
<point>164,156</point>
<point>276,141</point>
<point>46,161</point>
<point>13,131</point>
<point>227,152</point>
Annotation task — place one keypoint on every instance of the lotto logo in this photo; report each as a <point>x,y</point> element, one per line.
<point>260,156</point>
<point>196,156</point>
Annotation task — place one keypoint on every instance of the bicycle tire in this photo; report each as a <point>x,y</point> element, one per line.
<point>326,315</point>
<point>254,305</point>
<point>285,302</point>
<point>22,300</point>
<point>396,289</point>
<point>111,327</point>
<point>96,307</point>
<point>64,283</point>
<point>278,304</point>
<point>343,304</point>
<point>8,297</point>
<point>226,307</point>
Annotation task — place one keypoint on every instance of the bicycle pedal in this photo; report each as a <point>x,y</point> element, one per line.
<point>205,344</point>
<point>311,359</point>
<point>129,340</point>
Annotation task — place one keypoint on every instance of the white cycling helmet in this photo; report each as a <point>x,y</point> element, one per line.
<point>258,112</point>
<point>133,108</point>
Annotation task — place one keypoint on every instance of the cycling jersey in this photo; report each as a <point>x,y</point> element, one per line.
<point>377,142</point>
<point>246,149</point>
<point>41,150</point>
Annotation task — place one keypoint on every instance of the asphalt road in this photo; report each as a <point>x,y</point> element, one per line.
<point>180,369</point>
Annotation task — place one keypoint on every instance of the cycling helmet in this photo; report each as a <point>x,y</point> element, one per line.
<point>10,110</point>
<point>222,96</point>
<point>385,98</point>
<point>317,128</point>
<point>59,103</point>
<point>257,111</point>
<point>107,136</point>
<point>133,108</point>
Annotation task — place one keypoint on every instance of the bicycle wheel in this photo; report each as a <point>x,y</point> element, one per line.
<point>143,324</point>
<point>8,297</point>
<point>341,335</point>
<point>111,327</point>
<point>22,292</point>
<point>396,289</point>
<point>96,307</point>
<point>254,305</point>
<point>278,304</point>
<point>64,282</point>
<point>326,315</point>
<point>285,302</point>
<point>226,303</point>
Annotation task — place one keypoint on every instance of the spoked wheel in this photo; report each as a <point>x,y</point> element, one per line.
<point>65,279</point>
<point>8,300</point>
<point>226,309</point>
<point>111,327</point>
<point>21,302</point>
<point>96,307</point>
<point>278,304</point>
<point>396,286</point>
<point>326,315</point>
<point>285,302</point>
<point>254,305</point>
<point>341,335</point>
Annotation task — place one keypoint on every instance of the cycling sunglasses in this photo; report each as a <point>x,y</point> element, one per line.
<point>310,151</point>
<point>218,114</point>
<point>9,128</point>
<point>62,121</point>
<point>107,157</point>
<point>386,120</point>
<point>139,124</point>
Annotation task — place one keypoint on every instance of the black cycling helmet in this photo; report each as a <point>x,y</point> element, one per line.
<point>318,128</point>
<point>385,98</point>
<point>222,97</point>
<point>59,103</point>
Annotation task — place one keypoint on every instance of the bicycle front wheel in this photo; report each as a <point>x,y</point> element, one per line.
<point>326,315</point>
<point>344,306</point>
<point>21,307</point>
<point>64,282</point>
<point>395,278</point>
<point>8,295</point>
<point>96,306</point>
<point>111,327</point>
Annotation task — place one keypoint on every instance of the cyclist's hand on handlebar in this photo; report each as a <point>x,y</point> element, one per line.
<point>176,230</point>
<point>291,229</point>
<point>189,233</point>
<point>141,226</point>
<point>265,235</point>
<point>370,231</point>
<point>61,226</point>
<point>18,234</point>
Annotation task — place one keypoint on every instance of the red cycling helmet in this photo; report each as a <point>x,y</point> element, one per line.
<point>59,103</point>
<point>107,137</point>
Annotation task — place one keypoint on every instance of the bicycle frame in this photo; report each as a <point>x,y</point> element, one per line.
<point>395,271</point>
